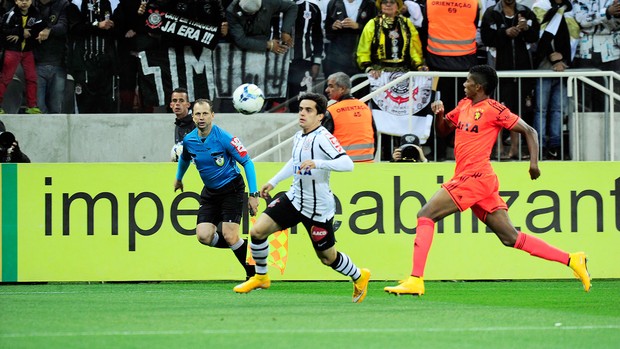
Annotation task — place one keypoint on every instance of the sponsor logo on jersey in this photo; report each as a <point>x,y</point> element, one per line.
<point>318,233</point>
<point>274,202</point>
<point>306,172</point>
<point>467,127</point>
<point>336,144</point>
<point>235,142</point>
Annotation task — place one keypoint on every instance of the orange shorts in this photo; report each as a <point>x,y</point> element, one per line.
<point>480,192</point>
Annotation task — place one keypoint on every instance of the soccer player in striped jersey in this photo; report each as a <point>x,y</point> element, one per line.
<point>478,119</point>
<point>309,201</point>
<point>216,153</point>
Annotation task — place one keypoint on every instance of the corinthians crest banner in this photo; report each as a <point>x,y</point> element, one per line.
<point>391,109</point>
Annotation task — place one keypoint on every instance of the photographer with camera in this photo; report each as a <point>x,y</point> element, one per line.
<point>409,150</point>
<point>9,148</point>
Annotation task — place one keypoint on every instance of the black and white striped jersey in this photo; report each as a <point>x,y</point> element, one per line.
<point>310,192</point>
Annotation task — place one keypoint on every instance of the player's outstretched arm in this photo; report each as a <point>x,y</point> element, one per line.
<point>342,163</point>
<point>285,172</point>
<point>531,137</point>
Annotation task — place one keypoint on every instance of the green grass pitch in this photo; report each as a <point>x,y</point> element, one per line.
<point>501,314</point>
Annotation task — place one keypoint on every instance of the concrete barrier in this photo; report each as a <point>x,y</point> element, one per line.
<point>590,137</point>
<point>122,137</point>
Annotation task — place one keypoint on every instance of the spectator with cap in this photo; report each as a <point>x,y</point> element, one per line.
<point>409,150</point>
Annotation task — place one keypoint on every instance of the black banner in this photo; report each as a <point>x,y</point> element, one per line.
<point>190,31</point>
<point>209,73</point>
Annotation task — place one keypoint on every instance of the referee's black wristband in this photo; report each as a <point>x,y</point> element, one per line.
<point>255,194</point>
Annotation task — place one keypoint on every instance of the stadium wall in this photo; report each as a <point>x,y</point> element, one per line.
<point>149,137</point>
<point>123,137</point>
<point>124,222</point>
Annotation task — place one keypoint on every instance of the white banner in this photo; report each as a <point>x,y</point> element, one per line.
<point>398,108</point>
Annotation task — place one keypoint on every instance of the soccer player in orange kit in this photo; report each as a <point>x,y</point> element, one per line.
<point>478,119</point>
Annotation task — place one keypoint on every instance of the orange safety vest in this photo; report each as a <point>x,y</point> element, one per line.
<point>452,27</point>
<point>353,129</point>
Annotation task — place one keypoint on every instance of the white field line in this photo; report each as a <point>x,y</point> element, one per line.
<point>308,331</point>
<point>83,292</point>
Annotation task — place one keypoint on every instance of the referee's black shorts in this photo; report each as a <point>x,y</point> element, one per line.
<point>224,204</point>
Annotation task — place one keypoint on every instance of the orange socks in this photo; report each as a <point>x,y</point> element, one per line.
<point>528,243</point>
<point>422,244</point>
<point>539,248</point>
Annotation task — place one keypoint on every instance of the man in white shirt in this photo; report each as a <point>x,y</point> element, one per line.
<point>309,201</point>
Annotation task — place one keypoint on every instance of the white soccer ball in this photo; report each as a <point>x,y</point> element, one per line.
<point>176,151</point>
<point>248,99</point>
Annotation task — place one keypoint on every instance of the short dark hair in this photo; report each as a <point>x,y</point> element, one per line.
<point>205,101</point>
<point>320,100</point>
<point>486,76</point>
<point>180,90</point>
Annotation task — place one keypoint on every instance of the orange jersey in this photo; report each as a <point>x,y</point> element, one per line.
<point>477,127</point>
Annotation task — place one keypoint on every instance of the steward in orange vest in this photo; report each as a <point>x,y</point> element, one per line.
<point>452,27</point>
<point>350,120</point>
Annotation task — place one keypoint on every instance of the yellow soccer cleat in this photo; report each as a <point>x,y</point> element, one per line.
<point>579,263</point>
<point>360,286</point>
<point>413,286</point>
<point>257,281</point>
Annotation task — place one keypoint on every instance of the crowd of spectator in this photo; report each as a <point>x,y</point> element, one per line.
<point>92,46</point>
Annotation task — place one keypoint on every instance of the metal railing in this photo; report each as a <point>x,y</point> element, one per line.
<point>576,79</point>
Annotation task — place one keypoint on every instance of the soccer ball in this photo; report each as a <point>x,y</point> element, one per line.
<point>248,99</point>
<point>175,152</point>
